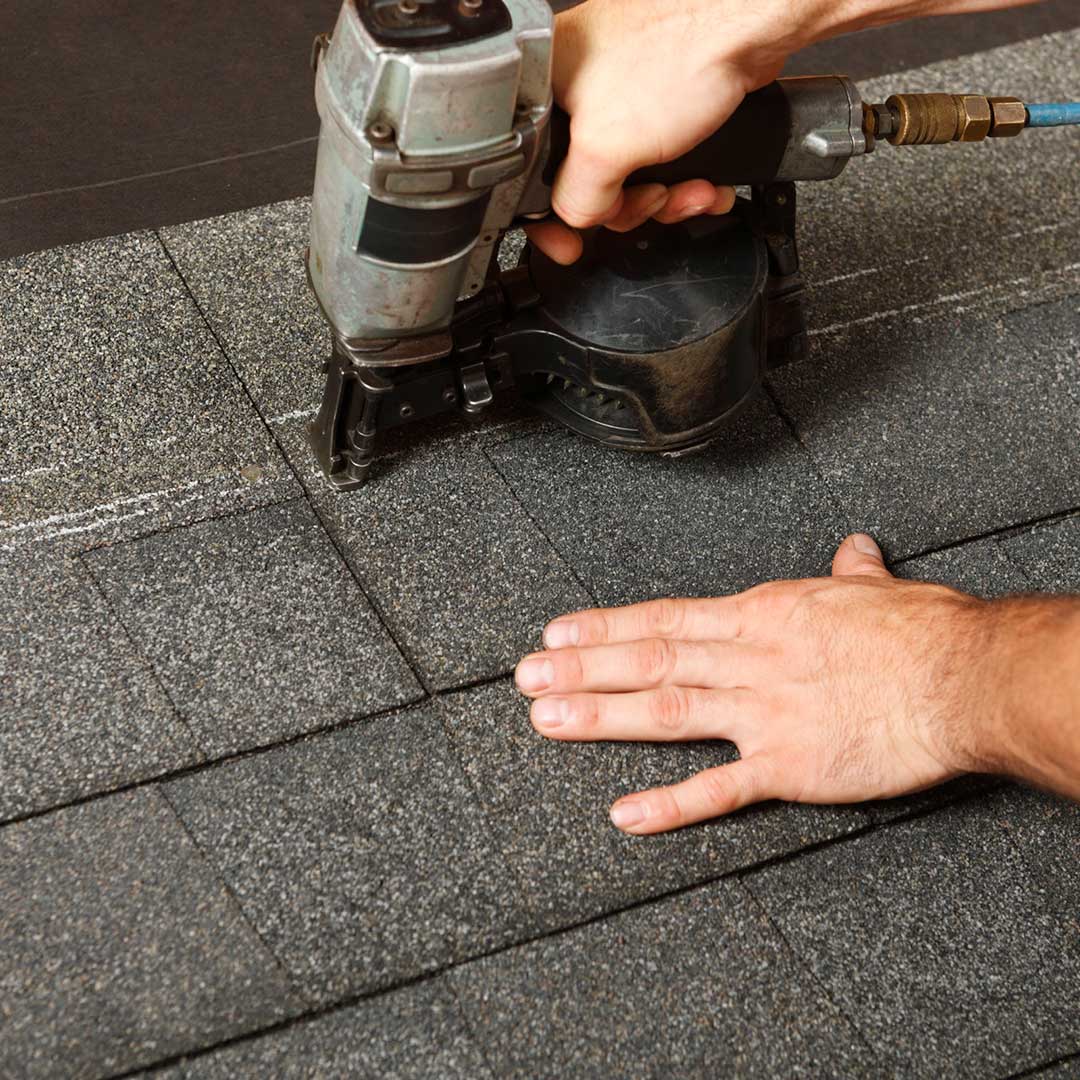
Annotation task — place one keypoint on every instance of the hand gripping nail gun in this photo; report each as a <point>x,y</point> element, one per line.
<point>439,134</point>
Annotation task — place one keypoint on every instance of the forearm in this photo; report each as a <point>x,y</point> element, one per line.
<point>824,19</point>
<point>1030,725</point>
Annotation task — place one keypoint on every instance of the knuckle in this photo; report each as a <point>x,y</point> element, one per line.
<point>664,617</point>
<point>666,808</point>
<point>717,787</point>
<point>569,669</point>
<point>671,709</point>
<point>586,711</point>
<point>654,660</point>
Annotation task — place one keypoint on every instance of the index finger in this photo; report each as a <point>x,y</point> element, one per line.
<point>716,619</point>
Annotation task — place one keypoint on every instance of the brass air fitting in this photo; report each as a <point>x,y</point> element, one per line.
<point>919,119</point>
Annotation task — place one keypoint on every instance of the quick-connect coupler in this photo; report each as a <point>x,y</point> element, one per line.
<point>920,119</point>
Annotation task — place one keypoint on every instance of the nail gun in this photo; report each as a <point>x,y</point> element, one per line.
<point>439,134</point>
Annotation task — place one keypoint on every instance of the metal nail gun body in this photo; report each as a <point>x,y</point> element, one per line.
<point>438,134</point>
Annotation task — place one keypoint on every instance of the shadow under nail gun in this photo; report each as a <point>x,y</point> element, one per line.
<point>438,135</point>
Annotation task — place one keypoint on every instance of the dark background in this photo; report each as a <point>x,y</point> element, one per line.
<point>124,114</point>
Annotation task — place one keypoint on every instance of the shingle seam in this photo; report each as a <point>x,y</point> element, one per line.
<point>1036,1069</point>
<point>211,869</point>
<point>789,423</point>
<point>353,1000</point>
<point>212,763</point>
<point>539,528</point>
<point>398,644</point>
<point>874,1052</point>
<point>1002,531</point>
<point>140,657</point>
<point>236,511</point>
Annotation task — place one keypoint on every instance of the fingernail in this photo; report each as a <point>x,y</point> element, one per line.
<point>561,633</point>
<point>535,674</point>
<point>865,545</point>
<point>627,813</point>
<point>550,712</point>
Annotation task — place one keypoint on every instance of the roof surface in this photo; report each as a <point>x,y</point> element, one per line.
<point>270,803</point>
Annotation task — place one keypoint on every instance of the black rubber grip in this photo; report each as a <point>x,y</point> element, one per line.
<point>748,149</point>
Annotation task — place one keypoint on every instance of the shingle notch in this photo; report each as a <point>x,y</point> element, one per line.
<point>254,626</point>
<point>936,939</point>
<point>119,947</point>
<point>696,985</point>
<point>635,526</point>
<point>80,710</point>
<point>460,573</point>
<point>409,1034</point>
<point>548,805</point>
<point>360,855</point>
<point>120,413</point>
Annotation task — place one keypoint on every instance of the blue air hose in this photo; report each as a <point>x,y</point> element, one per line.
<point>1053,115</point>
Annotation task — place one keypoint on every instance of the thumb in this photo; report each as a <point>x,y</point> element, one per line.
<point>588,186</point>
<point>859,554</point>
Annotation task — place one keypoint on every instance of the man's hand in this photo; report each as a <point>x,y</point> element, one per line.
<point>644,81</point>
<point>858,686</point>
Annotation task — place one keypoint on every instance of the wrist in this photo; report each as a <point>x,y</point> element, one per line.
<point>1029,722</point>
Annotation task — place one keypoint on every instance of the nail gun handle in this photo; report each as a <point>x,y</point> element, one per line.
<point>769,138</point>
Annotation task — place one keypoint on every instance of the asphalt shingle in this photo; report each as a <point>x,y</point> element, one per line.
<point>118,946</point>
<point>1046,829</point>
<point>147,426</point>
<point>406,1035</point>
<point>81,712</point>
<point>458,570</point>
<point>935,938</point>
<point>980,568</point>
<point>949,429</point>
<point>360,856</point>
<point>254,626</point>
<point>246,271</point>
<point>1049,555</point>
<point>696,985</point>
<point>548,805</point>
<point>634,526</point>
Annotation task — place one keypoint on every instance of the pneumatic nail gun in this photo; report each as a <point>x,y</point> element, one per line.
<point>439,134</point>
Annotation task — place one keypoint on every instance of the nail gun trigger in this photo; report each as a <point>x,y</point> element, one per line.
<point>475,387</point>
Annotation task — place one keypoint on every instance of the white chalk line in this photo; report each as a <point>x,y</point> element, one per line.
<point>893,267</point>
<point>72,526</point>
<point>951,298</point>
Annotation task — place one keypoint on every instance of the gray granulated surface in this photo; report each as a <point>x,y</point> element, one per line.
<point>1046,829</point>
<point>950,429</point>
<point>254,626</point>
<point>980,568</point>
<point>1049,555</point>
<point>360,856</point>
<point>697,986</point>
<point>147,426</point>
<point>936,939</point>
<point>548,804</point>
<point>80,711</point>
<point>408,1034</point>
<point>634,526</point>
<point>246,270</point>
<point>118,946</point>
<point>920,232</point>
<point>460,573</point>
